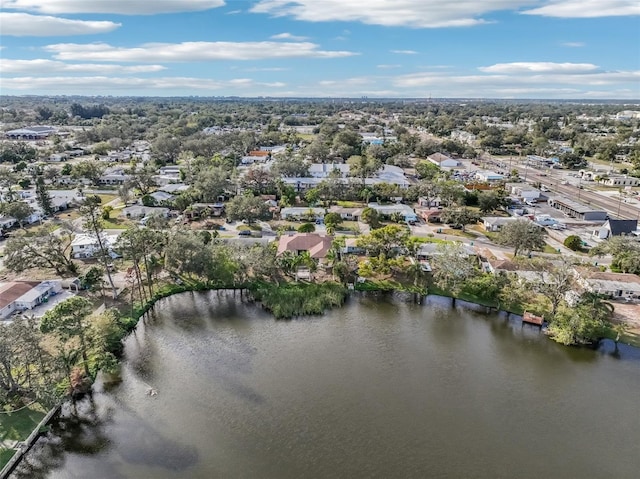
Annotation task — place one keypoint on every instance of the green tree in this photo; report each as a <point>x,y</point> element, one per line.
<point>44,200</point>
<point>427,170</point>
<point>460,217</point>
<point>452,267</point>
<point>388,242</point>
<point>584,323</point>
<point>247,208</point>
<point>331,221</point>
<point>573,242</point>
<point>363,167</point>
<point>89,169</point>
<point>106,212</point>
<point>93,224</point>
<point>523,235</point>
<point>18,210</point>
<point>68,321</point>
<point>40,249</point>
<point>306,228</point>
<point>370,217</point>
<point>489,201</point>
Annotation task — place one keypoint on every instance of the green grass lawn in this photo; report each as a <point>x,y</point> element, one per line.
<point>5,456</point>
<point>550,249</point>
<point>463,234</point>
<point>116,224</point>
<point>107,198</point>
<point>351,204</point>
<point>18,425</point>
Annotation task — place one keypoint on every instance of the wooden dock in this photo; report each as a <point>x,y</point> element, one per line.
<point>530,318</point>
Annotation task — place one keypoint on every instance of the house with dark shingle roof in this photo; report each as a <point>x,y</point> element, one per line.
<point>616,228</point>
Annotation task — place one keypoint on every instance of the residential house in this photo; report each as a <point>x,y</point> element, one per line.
<point>428,250</point>
<point>302,213</point>
<point>85,246</point>
<point>429,202</point>
<point>407,213</point>
<point>431,215</point>
<point>17,296</point>
<point>162,197</point>
<point>114,177</point>
<point>315,244</point>
<point>614,285</point>
<point>443,161</point>
<point>347,214</point>
<point>495,223</point>
<point>351,247</point>
<point>616,228</point>
<point>140,211</point>
<point>174,188</point>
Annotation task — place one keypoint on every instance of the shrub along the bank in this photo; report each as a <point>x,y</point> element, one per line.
<point>296,299</point>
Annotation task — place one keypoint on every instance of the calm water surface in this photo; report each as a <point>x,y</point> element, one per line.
<point>380,388</point>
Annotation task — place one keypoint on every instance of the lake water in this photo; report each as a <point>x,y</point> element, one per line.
<point>381,388</point>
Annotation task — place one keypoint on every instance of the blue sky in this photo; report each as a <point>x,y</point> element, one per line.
<point>322,48</point>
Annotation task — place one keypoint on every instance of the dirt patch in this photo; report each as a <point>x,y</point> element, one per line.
<point>628,313</point>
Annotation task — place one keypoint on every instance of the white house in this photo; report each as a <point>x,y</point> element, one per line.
<point>85,246</point>
<point>16,296</point>
<point>443,161</point>
<point>140,211</point>
<point>348,214</point>
<point>408,213</point>
<point>297,213</point>
<point>615,285</point>
<point>495,223</point>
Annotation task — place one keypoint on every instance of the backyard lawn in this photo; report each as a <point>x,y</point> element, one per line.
<point>16,426</point>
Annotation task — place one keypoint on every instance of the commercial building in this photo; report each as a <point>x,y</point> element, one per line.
<point>578,210</point>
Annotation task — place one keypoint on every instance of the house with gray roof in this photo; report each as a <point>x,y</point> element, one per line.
<point>616,228</point>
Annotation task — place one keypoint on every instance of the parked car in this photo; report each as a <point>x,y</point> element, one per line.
<point>244,233</point>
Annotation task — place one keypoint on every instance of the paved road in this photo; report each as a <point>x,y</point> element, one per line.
<point>615,207</point>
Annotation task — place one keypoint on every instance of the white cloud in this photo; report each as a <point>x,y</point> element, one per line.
<point>289,36</point>
<point>24,24</point>
<point>191,51</point>
<point>120,7</point>
<point>539,67</point>
<point>558,80</point>
<point>574,44</point>
<point>39,66</point>
<point>411,13</point>
<point>404,52</point>
<point>264,69</point>
<point>95,83</point>
<point>587,8</point>
<point>387,67</point>
<point>348,81</point>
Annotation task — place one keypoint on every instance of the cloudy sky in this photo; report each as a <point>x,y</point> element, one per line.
<point>322,48</point>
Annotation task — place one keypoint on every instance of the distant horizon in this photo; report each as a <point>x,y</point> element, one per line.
<point>485,49</point>
<point>329,98</point>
